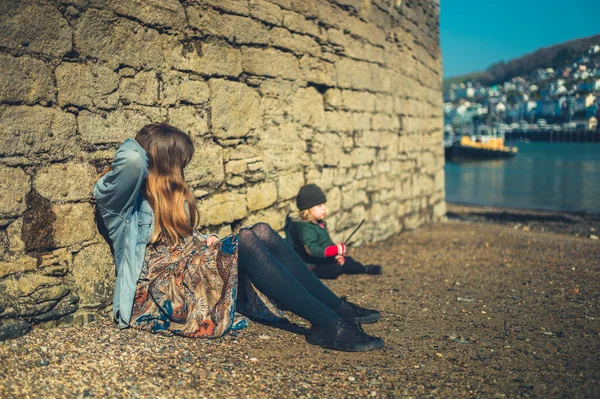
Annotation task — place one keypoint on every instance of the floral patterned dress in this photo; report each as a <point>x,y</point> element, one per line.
<point>195,290</point>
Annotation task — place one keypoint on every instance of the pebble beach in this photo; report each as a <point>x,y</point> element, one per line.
<point>493,303</point>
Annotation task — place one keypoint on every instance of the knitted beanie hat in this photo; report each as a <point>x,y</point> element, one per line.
<point>309,196</point>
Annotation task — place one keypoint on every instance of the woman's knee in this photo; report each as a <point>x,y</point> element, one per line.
<point>246,234</point>
<point>262,229</point>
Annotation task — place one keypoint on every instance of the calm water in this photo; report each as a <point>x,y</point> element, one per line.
<point>555,176</point>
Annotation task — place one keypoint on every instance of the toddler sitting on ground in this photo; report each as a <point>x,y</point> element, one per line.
<point>312,241</point>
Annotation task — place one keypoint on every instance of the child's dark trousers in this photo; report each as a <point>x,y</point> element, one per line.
<point>331,270</point>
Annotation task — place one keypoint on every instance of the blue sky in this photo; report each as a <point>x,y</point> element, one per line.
<point>476,34</point>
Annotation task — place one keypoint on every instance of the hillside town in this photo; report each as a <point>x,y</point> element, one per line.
<point>566,98</point>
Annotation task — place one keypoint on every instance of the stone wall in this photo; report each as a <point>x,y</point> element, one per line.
<point>276,94</point>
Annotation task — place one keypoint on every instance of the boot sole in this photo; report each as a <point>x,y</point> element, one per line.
<point>374,318</point>
<point>342,346</point>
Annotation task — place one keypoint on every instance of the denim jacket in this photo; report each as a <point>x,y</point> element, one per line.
<point>129,219</point>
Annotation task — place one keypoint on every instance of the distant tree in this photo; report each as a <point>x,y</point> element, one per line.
<point>555,56</point>
<point>564,57</point>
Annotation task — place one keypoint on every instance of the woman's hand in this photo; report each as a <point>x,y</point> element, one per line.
<point>210,240</point>
<point>340,260</point>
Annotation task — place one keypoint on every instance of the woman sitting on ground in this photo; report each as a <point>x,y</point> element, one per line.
<point>172,279</point>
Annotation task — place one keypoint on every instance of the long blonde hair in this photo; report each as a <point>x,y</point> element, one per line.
<point>169,151</point>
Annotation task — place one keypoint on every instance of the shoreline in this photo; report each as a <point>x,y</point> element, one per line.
<point>577,223</point>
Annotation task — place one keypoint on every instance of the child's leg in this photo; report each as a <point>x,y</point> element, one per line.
<point>294,264</point>
<point>352,266</point>
<point>328,271</point>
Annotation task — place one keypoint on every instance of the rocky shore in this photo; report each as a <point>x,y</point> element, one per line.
<point>492,304</point>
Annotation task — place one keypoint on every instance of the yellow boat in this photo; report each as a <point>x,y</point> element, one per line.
<point>483,145</point>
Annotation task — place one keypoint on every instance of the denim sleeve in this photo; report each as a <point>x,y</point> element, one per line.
<point>117,191</point>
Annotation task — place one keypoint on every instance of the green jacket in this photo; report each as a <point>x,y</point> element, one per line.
<point>310,241</point>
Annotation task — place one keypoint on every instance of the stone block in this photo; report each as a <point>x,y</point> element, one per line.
<point>308,107</point>
<point>269,62</point>
<point>36,296</point>
<point>237,167</point>
<point>21,265</point>
<point>273,217</point>
<point>362,155</point>
<point>10,329</point>
<point>297,23</point>
<point>222,208</point>
<point>316,70</point>
<point>358,100</point>
<point>233,6</point>
<point>70,181</point>
<point>206,167</point>
<point>332,99</point>
<point>334,200</point>
<point>439,211</point>
<point>261,196</point>
<point>339,121</point>
<point>266,11</point>
<point>34,26</point>
<point>439,180</point>
<point>87,85</point>
<point>354,74</point>
<point>299,44</point>
<point>74,224</point>
<point>14,186</point>
<point>282,148</point>
<point>327,149</point>
<point>235,109</point>
<point>4,243</point>
<point>210,57</point>
<point>13,234</point>
<point>289,185</point>
<point>179,88</point>
<point>209,21</point>
<point>361,120</point>
<point>118,41</point>
<point>286,4</point>
<point>247,31</point>
<point>163,13</point>
<point>383,122</point>
<point>113,127</point>
<point>36,130</point>
<point>350,198</point>
<point>25,80</point>
<point>56,263</point>
<point>189,119</point>
<point>65,306</point>
<point>141,89</point>
<point>28,284</point>
<point>94,284</point>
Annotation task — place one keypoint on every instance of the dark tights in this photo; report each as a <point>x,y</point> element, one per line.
<point>277,271</point>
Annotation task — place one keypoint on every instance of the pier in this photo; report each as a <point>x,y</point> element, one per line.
<point>559,136</point>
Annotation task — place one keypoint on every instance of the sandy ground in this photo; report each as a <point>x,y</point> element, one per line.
<point>485,306</point>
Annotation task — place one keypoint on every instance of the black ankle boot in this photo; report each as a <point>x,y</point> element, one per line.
<point>352,312</point>
<point>344,336</point>
<point>373,269</point>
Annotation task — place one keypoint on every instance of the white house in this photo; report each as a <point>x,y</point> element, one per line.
<point>581,103</point>
<point>509,86</point>
<point>595,49</point>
